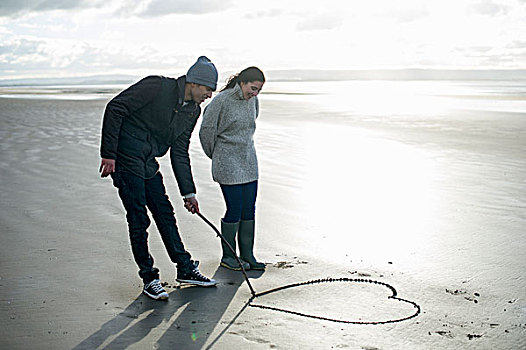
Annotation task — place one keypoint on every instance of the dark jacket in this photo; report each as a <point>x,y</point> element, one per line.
<point>144,121</point>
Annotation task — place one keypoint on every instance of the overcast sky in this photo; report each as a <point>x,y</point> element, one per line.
<point>49,38</point>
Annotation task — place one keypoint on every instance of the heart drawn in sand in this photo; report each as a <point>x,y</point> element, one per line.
<point>354,303</point>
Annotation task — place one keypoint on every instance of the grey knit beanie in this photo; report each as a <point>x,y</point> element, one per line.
<point>203,72</point>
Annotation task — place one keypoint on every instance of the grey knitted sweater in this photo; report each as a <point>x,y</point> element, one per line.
<point>227,137</point>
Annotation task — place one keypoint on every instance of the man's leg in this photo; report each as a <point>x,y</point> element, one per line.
<point>163,214</point>
<point>132,193</point>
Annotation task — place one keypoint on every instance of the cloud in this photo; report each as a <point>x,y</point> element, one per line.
<point>507,56</point>
<point>13,8</point>
<point>54,57</point>
<point>488,8</point>
<point>163,7</point>
<point>409,15</point>
<point>473,51</point>
<point>22,55</point>
<point>141,8</point>
<point>504,60</point>
<point>517,44</point>
<point>274,12</point>
<point>19,47</point>
<point>320,22</point>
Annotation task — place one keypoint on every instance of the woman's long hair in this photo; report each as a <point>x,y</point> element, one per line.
<point>245,76</point>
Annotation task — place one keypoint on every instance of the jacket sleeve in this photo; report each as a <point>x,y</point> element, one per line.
<point>180,160</point>
<point>122,106</point>
<point>208,131</point>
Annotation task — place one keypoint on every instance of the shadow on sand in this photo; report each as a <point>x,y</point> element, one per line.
<point>203,311</point>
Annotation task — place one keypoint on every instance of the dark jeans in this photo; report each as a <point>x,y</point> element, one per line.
<point>136,194</point>
<point>240,201</point>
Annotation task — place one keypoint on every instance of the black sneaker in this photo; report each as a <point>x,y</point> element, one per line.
<point>155,291</point>
<point>195,277</point>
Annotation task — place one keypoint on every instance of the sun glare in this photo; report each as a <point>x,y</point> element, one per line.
<point>367,190</point>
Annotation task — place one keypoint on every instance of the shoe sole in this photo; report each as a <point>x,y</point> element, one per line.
<point>197,283</point>
<point>236,268</point>
<point>162,296</point>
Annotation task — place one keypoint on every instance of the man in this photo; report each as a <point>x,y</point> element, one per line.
<point>143,122</point>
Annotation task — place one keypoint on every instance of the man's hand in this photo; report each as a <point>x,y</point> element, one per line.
<point>107,166</point>
<point>191,205</point>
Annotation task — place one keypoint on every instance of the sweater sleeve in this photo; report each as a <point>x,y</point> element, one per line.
<point>208,131</point>
<point>122,106</point>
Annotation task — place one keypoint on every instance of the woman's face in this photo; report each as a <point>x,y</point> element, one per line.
<point>251,89</point>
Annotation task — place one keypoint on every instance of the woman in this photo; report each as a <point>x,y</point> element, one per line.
<point>226,134</point>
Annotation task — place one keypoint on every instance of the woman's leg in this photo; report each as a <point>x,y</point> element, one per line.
<point>230,225</point>
<point>233,195</point>
<point>246,231</point>
<point>249,193</point>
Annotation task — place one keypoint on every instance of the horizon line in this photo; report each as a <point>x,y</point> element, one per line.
<point>303,74</point>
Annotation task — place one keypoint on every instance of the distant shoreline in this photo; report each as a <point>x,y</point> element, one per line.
<point>304,75</point>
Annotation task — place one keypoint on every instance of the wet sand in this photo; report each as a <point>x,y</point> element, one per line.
<point>434,208</point>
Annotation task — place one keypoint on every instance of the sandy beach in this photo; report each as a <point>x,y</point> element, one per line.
<point>431,202</point>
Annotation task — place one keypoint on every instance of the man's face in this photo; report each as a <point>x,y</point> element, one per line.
<point>200,93</point>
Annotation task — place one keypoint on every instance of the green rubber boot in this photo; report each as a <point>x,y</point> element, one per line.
<point>245,238</point>
<point>229,230</point>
